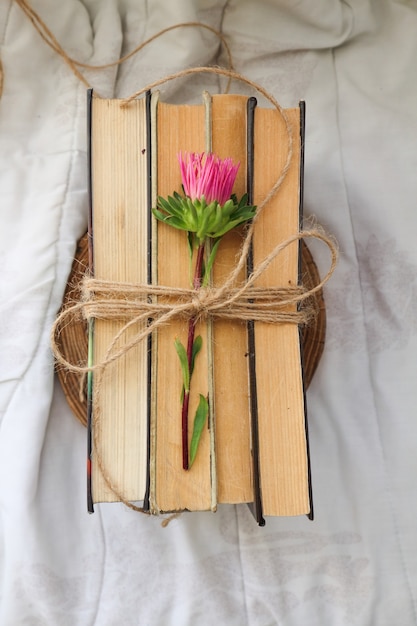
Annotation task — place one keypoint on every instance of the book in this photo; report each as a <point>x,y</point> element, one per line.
<point>120,251</point>
<point>232,407</point>
<point>283,445</point>
<point>178,128</point>
<point>254,448</point>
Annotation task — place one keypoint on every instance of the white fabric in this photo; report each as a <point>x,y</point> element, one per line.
<point>354,62</point>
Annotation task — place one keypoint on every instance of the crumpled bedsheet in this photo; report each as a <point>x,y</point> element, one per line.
<point>354,63</point>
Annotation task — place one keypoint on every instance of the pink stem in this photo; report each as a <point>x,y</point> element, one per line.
<point>190,342</point>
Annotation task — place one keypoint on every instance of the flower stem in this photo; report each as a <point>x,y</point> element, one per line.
<point>184,427</point>
<point>197,281</point>
<point>198,273</point>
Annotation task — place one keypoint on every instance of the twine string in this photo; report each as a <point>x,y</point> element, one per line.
<point>49,38</point>
<point>134,303</point>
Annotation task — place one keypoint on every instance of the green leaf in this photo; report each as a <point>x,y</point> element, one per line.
<point>218,220</point>
<point>178,197</point>
<point>159,215</point>
<point>197,345</point>
<point>204,221</point>
<point>245,212</point>
<point>228,208</point>
<point>199,421</point>
<point>243,200</point>
<point>175,222</point>
<point>175,208</point>
<point>192,217</point>
<point>233,223</point>
<point>212,219</point>
<point>227,227</point>
<point>164,204</point>
<point>182,355</point>
<point>210,262</point>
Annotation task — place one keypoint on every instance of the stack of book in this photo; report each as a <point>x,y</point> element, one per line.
<point>255,447</point>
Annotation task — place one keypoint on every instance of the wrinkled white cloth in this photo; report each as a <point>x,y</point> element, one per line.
<point>354,62</point>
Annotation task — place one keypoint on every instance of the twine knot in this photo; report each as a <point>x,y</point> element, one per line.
<point>200,303</point>
<point>151,306</point>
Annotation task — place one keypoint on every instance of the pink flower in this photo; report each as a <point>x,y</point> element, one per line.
<point>207,175</point>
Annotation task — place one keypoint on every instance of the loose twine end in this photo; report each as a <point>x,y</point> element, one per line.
<point>171,517</point>
<point>75,66</point>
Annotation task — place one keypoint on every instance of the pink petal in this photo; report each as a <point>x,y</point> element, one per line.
<point>207,175</point>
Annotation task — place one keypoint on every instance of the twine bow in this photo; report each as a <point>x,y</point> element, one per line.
<point>152,306</point>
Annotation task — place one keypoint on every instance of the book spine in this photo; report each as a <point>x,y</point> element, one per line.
<point>148,99</point>
<point>302,106</point>
<point>256,506</point>
<point>178,129</point>
<point>90,505</point>
<point>120,202</point>
<point>153,265</point>
<point>281,418</point>
<point>233,429</point>
<point>208,106</point>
